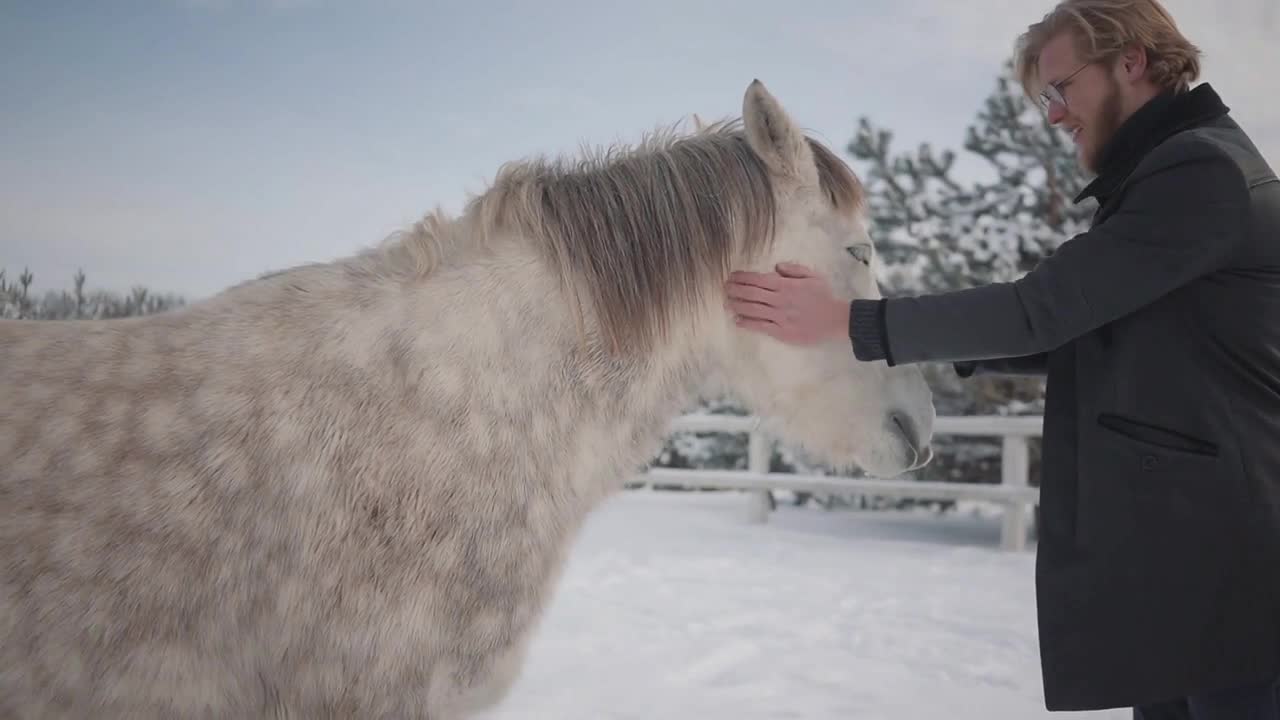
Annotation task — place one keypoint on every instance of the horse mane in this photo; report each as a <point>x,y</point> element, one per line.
<point>636,234</point>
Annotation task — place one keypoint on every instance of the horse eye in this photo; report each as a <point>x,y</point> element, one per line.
<point>861,253</point>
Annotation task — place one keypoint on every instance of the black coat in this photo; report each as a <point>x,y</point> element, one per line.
<point>1158,567</point>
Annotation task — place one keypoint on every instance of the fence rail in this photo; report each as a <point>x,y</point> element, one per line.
<point>1014,491</point>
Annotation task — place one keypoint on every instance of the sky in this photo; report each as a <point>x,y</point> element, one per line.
<point>187,145</point>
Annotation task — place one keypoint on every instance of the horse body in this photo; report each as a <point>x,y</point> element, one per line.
<point>348,489</point>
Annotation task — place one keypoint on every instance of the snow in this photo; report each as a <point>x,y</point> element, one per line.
<point>674,606</point>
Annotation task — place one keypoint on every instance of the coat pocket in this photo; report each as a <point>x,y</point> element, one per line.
<point>1158,437</point>
<point>1143,487</point>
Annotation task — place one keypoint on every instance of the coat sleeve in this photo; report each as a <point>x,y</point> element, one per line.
<point>1184,215</point>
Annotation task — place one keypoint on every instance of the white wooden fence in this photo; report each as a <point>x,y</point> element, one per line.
<point>1014,492</point>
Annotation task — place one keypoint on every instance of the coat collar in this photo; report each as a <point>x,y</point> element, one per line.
<point>1147,127</point>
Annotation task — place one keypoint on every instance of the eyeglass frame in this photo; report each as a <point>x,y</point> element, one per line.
<point>1046,100</point>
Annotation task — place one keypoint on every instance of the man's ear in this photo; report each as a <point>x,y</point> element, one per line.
<point>1132,63</point>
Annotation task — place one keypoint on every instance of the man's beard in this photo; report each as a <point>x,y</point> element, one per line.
<point>1105,125</point>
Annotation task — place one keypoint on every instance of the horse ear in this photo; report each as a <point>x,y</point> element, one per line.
<point>773,136</point>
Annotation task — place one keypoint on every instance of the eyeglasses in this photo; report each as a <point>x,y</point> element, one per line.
<point>1053,93</point>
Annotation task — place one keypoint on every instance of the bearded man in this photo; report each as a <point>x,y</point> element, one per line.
<point>1158,333</point>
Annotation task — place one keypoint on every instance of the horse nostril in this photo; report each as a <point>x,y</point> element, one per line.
<point>908,429</point>
<point>921,452</point>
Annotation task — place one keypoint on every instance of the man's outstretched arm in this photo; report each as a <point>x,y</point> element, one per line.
<point>1185,213</point>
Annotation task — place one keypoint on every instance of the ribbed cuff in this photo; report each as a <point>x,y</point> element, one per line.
<point>868,331</point>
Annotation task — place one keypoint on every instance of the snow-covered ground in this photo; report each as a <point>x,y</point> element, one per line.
<point>673,607</point>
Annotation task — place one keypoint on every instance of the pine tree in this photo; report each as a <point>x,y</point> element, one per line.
<point>935,233</point>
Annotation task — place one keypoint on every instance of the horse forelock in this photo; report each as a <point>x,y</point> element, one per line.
<point>636,235</point>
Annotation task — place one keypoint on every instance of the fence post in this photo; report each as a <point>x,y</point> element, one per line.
<point>1015,471</point>
<point>760,502</point>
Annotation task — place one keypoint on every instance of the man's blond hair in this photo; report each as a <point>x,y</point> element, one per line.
<point>1102,30</point>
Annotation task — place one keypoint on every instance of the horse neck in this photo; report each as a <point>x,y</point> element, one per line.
<point>625,411</point>
<point>493,334</point>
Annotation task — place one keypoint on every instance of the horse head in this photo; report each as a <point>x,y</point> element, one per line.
<point>821,398</point>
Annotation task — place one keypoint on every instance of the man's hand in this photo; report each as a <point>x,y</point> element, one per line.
<point>793,305</point>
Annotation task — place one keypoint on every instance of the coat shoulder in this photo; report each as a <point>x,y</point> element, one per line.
<point>1192,146</point>
<point>1201,157</point>
<point>1223,142</point>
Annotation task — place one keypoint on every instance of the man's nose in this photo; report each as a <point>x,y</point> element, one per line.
<point>1056,113</point>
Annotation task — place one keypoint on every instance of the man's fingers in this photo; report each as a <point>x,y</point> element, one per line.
<point>751,293</point>
<point>794,270</point>
<point>768,281</point>
<point>754,310</point>
<point>757,325</point>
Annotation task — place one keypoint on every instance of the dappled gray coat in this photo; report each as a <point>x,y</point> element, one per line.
<point>1159,331</point>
